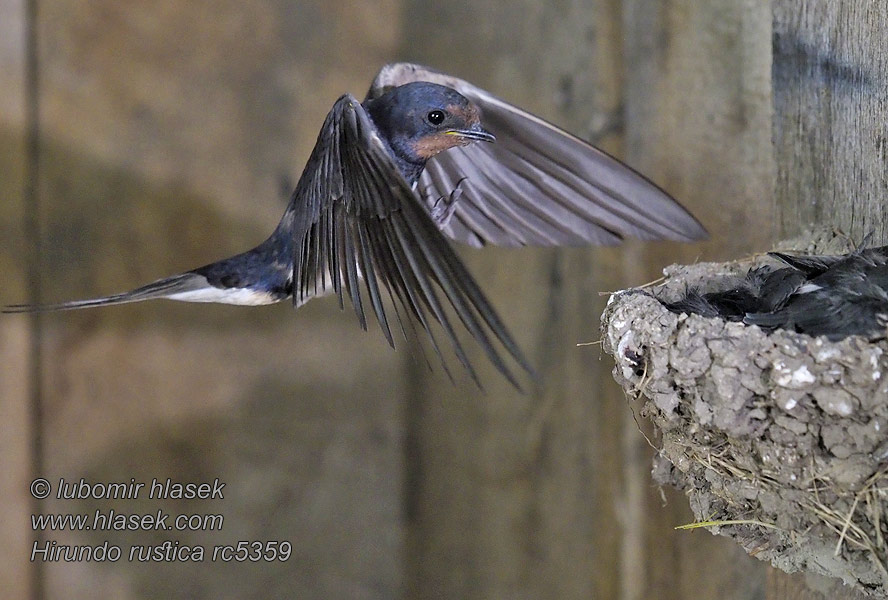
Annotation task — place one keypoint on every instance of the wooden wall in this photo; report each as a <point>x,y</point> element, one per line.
<point>562,477</point>
<point>167,132</point>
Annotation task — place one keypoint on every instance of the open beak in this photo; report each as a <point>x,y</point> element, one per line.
<point>474,133</point>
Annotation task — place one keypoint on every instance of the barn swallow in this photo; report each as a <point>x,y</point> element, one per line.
<point>391,178</point>
<point>834,296</point>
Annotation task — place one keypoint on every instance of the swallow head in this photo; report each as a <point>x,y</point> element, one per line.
<point>421,119</point>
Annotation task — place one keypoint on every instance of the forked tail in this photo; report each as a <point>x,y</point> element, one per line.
<point>184,284</point>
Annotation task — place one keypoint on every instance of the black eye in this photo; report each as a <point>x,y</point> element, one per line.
<point>436,117</point>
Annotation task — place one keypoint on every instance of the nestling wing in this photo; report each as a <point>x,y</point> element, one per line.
<point>538,185</point>
<point>353,216</point>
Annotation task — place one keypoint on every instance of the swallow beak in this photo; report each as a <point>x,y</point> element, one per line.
<point>475,133</point>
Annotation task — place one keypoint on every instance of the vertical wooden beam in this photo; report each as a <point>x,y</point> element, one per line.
<point>807,586</point>
<point>697,100</point>
<point>165,134</point>
<point>18,577</point>
<point>698,122</point>
<point>830,126</point>
<point>830,80</point>
<point>34,262</point>
<point>698,114</point>
<point>520,495</point>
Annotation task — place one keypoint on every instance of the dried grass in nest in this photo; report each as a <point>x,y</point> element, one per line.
<point>761,453</point>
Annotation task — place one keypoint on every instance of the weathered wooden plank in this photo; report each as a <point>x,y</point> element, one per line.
<point>16,573</point>
<point>830,92</point>
<point>167,129</point>
<point>698,122</point>
<point>518,496</point>
<point>698,114</point>
<point>830,80</point>
<point>15,382</point>
<point>807,586</point>
<point>544,496</point>
<point>711,148</point>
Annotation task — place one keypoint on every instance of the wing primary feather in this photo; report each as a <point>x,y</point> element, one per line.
<point>319,259</point>
<point>609,203</point>
<point>358,218</point>
<point>301,286</point>
<point>349,258</point>
<point>440,181</point>
<point>419,265</point>
<point>419,344</point>
<point>371,167</point>
<point>418,341</point>
<point>392,280</point>
<point>453,271</point>
<point>455,294</point>
<point>369,272</point>
<point>409,285</point>
<point>523,211</point>
<point>395,275</point>
<point>576,193</point>
<point>333,254</point>
<point>414,280</point>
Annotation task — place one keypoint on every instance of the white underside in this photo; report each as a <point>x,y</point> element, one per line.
<point>248,297</point>
<point>808,288</point>
<point>239,296</point>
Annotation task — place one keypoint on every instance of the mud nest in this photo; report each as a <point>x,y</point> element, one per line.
<point>779,440</point>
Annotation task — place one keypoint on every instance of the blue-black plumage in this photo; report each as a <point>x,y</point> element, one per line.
<point>392,177</point>
<point>830,295</point>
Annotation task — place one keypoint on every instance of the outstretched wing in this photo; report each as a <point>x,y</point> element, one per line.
<point>538,185</point>
<point>354,217</point>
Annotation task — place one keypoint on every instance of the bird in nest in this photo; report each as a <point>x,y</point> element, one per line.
<point>830,295</point>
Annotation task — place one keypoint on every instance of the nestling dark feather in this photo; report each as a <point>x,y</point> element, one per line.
<point>834,296</point>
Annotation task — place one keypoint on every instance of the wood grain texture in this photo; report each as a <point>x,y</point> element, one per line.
<point>167,136</point>
<point>16,337</point>
<point>167,129</point>
<point>830,80</point>
<point>17,575</point>
<point>807,586</point>
<point>518,496</point>
<point>698,121</point>
<point>698,115</point>
<point>15,444</point>
<point>830,96</point>
<point>570,512</point>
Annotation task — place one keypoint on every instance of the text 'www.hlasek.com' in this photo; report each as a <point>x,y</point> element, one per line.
<point>117,519</point>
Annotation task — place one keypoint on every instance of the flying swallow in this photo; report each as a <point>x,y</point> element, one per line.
<point>391,178</point>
